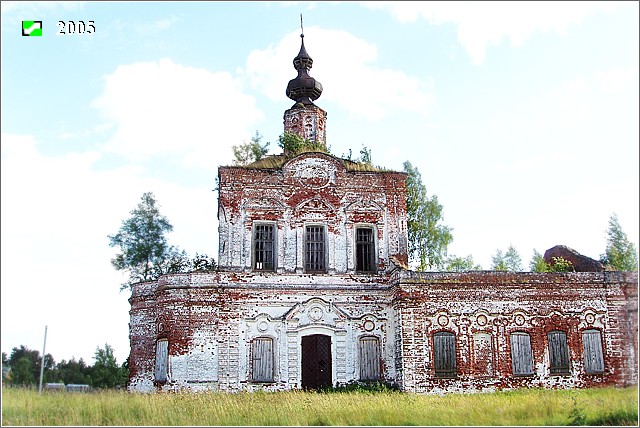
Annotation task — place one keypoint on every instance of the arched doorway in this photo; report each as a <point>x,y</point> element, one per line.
<point>316,361</point>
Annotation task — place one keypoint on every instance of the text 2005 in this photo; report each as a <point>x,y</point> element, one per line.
<point>75,27</point>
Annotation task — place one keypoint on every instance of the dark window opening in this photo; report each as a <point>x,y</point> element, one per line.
<point>315,249</point>
<point>365,250</point>
<point>444,352</point>
<point>558,352</point>
<point>263,241</point>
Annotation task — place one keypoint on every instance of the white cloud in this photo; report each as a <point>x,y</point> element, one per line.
<point>56,214</point>
<point>587,100</point>
<point>617,79</point>
<point>163,108</point>
<point>345,65</point>
<point>481,24</point>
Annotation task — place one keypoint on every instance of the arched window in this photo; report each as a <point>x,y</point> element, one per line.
<point>162,360</point>
<point>262,359</point>
<point>369,358</point>
<point>521,356</point>
<point>558,352</point>
<point>592,344</point>
<point>444,354</point>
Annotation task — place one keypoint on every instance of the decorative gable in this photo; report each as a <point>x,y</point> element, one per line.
<point>315,311</point>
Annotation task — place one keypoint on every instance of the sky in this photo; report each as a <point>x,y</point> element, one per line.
<point>522,118</point>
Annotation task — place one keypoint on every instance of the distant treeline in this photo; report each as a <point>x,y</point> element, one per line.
<point>22,368</point>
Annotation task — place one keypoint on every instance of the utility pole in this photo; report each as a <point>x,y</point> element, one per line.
<point>42,363</point>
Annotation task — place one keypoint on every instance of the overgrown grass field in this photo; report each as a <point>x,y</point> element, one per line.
<point>599,406</point>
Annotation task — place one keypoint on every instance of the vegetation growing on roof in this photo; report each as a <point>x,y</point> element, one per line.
<point>253,154</point>
<point>292,144</point>
<point>250,152</point>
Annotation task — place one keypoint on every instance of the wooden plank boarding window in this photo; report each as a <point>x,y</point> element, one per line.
<point>444,353</point>
<point>592,344</point>
<point>521,356</point>
<point>262,359</point>
<point>369,358</point>
<point>365,250</point>
<point>315,249</point>
<point>162,359</point>
<point>558,352</point>
<point>263,246</point>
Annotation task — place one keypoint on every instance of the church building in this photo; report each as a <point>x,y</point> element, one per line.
<point>313,290</point>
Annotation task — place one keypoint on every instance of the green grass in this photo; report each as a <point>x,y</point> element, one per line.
<point>598,406</point>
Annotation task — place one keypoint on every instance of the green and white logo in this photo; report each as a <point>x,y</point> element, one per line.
<point>32,28</point>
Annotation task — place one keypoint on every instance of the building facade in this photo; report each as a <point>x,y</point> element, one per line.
<point>313,290</point>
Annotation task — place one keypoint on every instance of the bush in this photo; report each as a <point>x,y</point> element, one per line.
<point>363,386</point>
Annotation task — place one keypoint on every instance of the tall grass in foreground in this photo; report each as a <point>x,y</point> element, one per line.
<point>600,406</point>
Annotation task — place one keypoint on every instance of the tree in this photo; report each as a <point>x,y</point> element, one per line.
<point>176,261</point>
<point>22,372</point>
<point>460,264</point>
<point>5,367</point>
<point>105,372</point>
<point>507,262</point>
<point>73,371</point>
<point>537,263</point>
<point>124,373</point>
<point>204,263</point>
<point>292,144</point>
<point>620,254</point>
<point>250,152</point>
<point>25,366</point>
<point>559,264</point>
<point>428,239</point>
<point>365,156</point>
<point>141,239</point>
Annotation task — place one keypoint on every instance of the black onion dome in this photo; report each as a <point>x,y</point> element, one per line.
<point>303,89</point>
<point>303,60</point>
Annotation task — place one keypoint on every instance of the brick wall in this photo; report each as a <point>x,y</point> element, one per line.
<point>312,188</point>
<point>210,321</point>
<point>483,309</point>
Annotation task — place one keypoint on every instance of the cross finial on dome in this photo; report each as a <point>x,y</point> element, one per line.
<point>304,89</point>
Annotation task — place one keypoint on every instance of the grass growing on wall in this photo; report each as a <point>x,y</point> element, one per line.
<point>598,406</point>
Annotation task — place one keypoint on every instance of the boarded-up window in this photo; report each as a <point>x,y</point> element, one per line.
<point>592,343</point>
<point>369,358</point>
<point>263,246</point>
<point>162,358</point>
<point>365,250</point>
<point>315,249</point>
<point>444,353</point>
<point>558,352</point>
<point>262,359</point>
<point>521,357</point>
